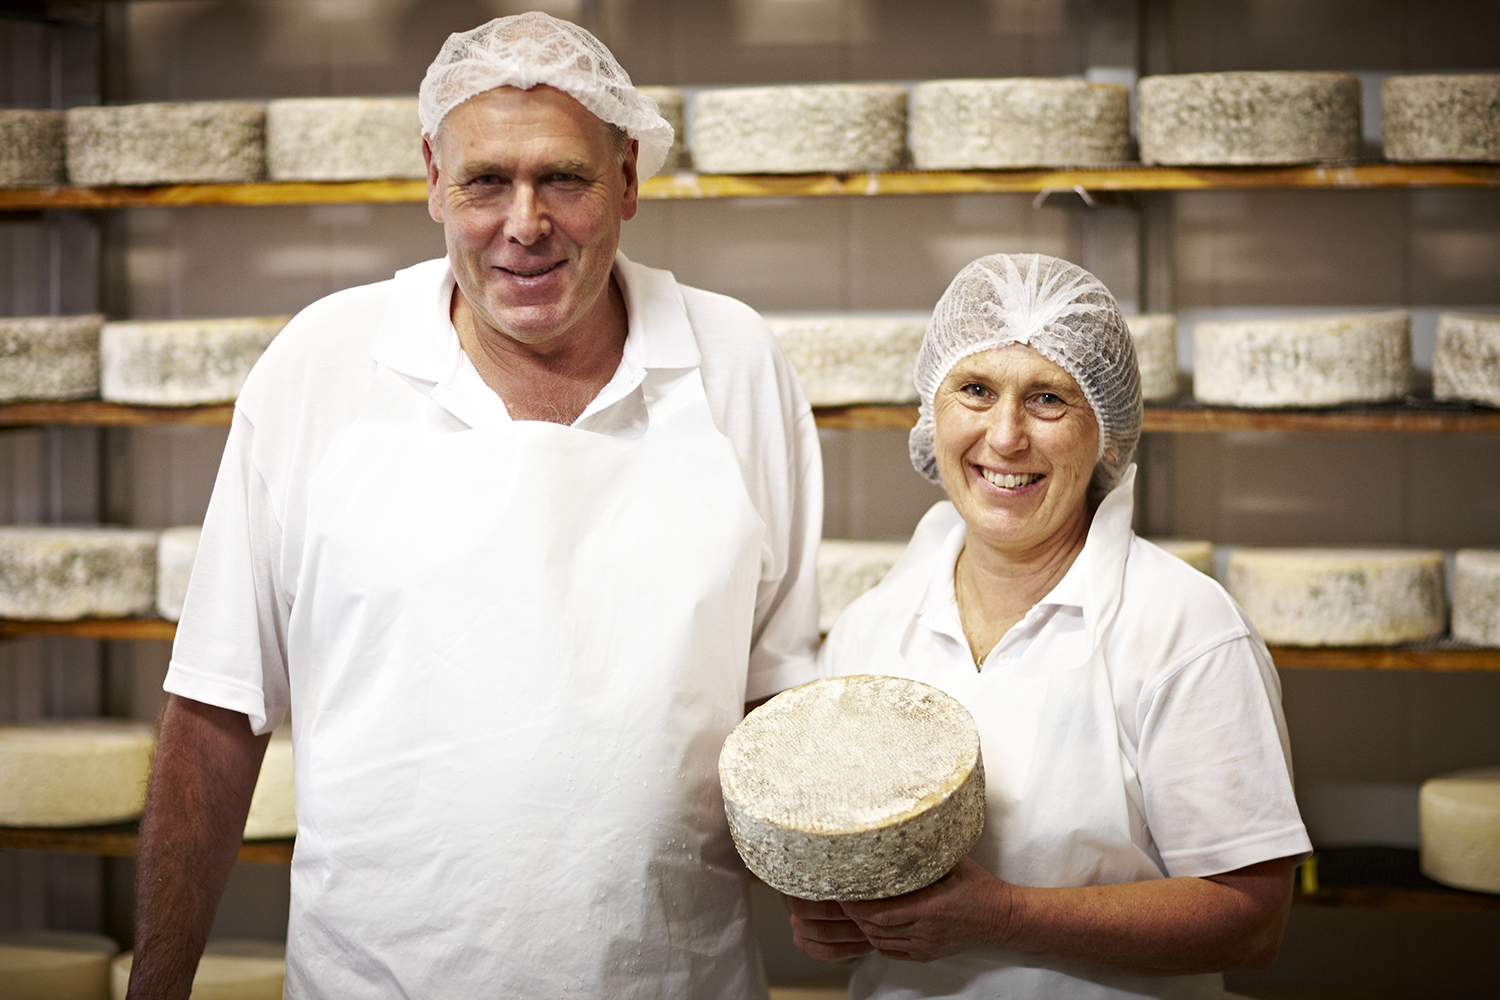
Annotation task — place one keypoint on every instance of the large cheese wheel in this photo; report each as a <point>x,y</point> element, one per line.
<point>49,357</point>
<point>229,970</point>
<point>343,139</point>
<point>167,143</point>
<point>273,811</point>
<point>31,147</point>
<point>1460,820</point>
<point>1466,358</point>
<point>1340,597</point>
<point>805,129</point>
<point>1303,361</point>
<point>61,574</point>
<point>1441,117</point>
<point>55,965</point>
<point>1197,554</point>
<point>184,362</point>
<point>844,358</point>
<point>176,549</point>
<point>1476,596</point>
<point>75,773</point>
<point>847,569</point>
<point>1155,340</point>
<point>671,102</point>
<point>1024,122</point>
<point>854,787</point>
<point>1248,118</point>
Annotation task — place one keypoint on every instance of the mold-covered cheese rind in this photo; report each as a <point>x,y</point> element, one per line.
<point>185,362</point>
<point>173,143</point>
<point>846,358</point>
<point>1466,358</point>
<point>49,357</point>
<point>67,573</point>
<point>1476,596</point>
<point>1155,339</point>
<point>32,147</point>
<point>799,129</point>
<point>846,569</point>
<point>81,772</point>
<point>1021,122</point>
<point>1441,117</point>
<point>176,549</point>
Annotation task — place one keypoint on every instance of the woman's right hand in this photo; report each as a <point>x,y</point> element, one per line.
<point>822,930</point>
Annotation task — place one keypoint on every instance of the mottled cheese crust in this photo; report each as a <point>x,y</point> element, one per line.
<point>343,139</point>
<point>31,147</point>
<point>49,357</point>
<point>55,965</point>
<point>1476,596</point>
<point>76,773</point>
<point>273,811</point>
<point>61,574</point>
<point>847,569</point>
<point>1155,341</point>
<point>176,549</point>
<point>1441,117</point>
<point>844,358</point>
<point>806,129</point>
<point>671,103</point>
<point>184,143</point>
<point>1460,820</point>
<point>184,362</point>
<point>1023,122</point>
<point>1466,358</point>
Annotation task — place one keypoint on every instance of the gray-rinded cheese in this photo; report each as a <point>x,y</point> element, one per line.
<point>844,358</point>
<point>80,772</point>
<point>273,811</point>
<point>1304,361</point>
<point>1340,597</point>
<point>1476,596</point>
<point>1155,340</point>
<point>31,147</point>
<point>343,139</point>
<point>1441,117</point>
<point>847,569</point>
<point>805,129</point>
<point>1466,358</point>
<point>854,787</point>
<point>182,362</point>
<point>231,969</point>
<point>1197,554</point>
<point>185,143</point>
<point>83,571</point>
<point>672,104</point>
<point>55,965</point>
<point>176,549</point>
<point>1460,822</point>
<point>1022,122</point>
<point>49,357</point>
<point>1248,118</point>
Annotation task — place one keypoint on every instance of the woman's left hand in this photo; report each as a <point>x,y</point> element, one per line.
<point>967,908</point>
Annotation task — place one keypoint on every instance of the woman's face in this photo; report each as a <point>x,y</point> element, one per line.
<point>1016,445</point>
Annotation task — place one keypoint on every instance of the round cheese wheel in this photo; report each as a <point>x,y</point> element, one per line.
<point>1441,117</point>
<point>672,104</point>
<point>844,358</point>
<point>1340,597</point>
<point>854,787</point>
<point>1155,340</point>
<point>31,147</point>
<point>343,139</point>
<point>61,574</point>
<point>1466,358</point>
<point>1023,122</point>
<point>184,362</point>
<point>847,569</point>
<point>73,773</point>
<point>167,143</point>
<point>176,549</point>
<point>1476,596</point>
<point>806,129</point>
<point>273,812</point>
<point>1460,820</point>
<point>55,965</point>
<point>1248,118</point>
<point>49,357</point>
<point>1306,361</point>
<point>228,970</point>
<point>1197,554</point>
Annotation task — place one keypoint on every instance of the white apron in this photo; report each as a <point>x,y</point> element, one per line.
<point>532,642</point>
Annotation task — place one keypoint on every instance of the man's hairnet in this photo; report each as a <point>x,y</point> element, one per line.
<point>531,49</point>
<point>1065,314</point>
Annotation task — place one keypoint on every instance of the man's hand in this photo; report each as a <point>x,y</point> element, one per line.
<point>965,909</point>
<point>822,930</point>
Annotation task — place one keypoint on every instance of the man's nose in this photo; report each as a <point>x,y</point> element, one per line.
<point>526,222</point>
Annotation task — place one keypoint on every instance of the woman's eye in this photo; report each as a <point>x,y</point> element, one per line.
<point>974,389</point>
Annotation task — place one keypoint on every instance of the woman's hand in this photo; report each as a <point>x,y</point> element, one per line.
<point>967,908</point>
<point>823,931</point>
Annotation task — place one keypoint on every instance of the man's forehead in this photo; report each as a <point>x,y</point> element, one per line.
<point>541,99</point>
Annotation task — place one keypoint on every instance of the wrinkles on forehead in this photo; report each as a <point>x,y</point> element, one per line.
<point>619,140</point>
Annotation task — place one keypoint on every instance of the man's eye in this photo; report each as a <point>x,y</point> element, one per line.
<point>1050,399</point>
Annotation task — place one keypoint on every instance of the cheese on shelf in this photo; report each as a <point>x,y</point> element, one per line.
<point>1248,118</point>
<point>844,358</point>
<point>273,812</point>
<point>672,104</point>
<point>854,787</point>
<point>61,574</point>
<point>1460,820</point>
<point>1155,340</point>
<point>1022,122</point>
<point>847,569</point>
<point>803,129</point>
<point>177,143</point>
<point>1476,596</point>
<point>49,357</point>
<point>1340,597</point>
<point>1441,117</point>
<point>175,550</point>
<point>183,362</point>
<point>31,147</point>
<point>343,139</point>
<point>1466,358</point>
<point>79,772</point>
<point>230,969</point>
<point>55,965</point>
<point>1199,555</point>
<point>1304,361</point>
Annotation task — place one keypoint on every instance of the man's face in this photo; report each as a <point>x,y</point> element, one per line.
<point>531,193</point>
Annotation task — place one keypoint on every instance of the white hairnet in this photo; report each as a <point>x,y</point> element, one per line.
<point>1065,314</point>
<point>531,49</point>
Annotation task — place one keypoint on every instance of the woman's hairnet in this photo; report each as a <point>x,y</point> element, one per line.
<point>1065,314</point>
<point>531,49</point>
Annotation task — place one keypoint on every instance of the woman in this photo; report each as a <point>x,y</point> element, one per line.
<point>1140,832</point>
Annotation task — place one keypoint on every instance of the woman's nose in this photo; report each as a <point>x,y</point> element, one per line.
<point>1006,434</point>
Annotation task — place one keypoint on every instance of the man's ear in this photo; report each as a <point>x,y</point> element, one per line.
<point>434,202</point>
<point>632,181</point>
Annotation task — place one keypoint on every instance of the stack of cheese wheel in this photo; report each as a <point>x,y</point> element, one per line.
<point>198,142</point>
<point>1248,118</point>
<point>76,773</point>
<point>1460,823</point>
<point>1476,596</point>
<point>55,965</point>
<point>856,787</point>
<point>1441,117</point>
<point>176,548</point>
<point>1197,554</point>
<point>844,358</point>
<point>1466,358</point>
<point>1155,340</point>
<point>343,139</point>
<point>1023,122</point>
<point>847,569</point>
<point>62,574</point>
<point>672,104</point>
<point>231,969</point>
<point>1340,597</point>
<point>31,147</point>
<point>184,362</point>
<point>273,811</point>
<point>49,357</point>
<point>1305,361</point>
<point>841,127</point>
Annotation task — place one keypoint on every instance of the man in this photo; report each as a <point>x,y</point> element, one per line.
<point>514,536</point>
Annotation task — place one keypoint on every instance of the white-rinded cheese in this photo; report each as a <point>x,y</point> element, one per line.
<point>1248,118</point>
<point>1476,596</point>
<point>343,139</point>
<point>1155,339</point>
<point>183,362</point>
<point>844,358</point>
<point>1340,597</point>
<point>1466,358</point>
<point>167,143</point>
<point>1441,117</point>
<point>85,571</point>
<point>806,129</point>
<point>229,970</point>
<point>847,569</point>
<point>1199,555</point>
<point>31,147</point>
<point>854,787</point>
<point>49,357</point>
<point>175,550</point>
<point>1022,122</point>
<point>80,772</point>
<point>273,810</point>
<point>1460,817</point>
<point>1306,361</point>
<point>672,104</point>
<point>55,965</point>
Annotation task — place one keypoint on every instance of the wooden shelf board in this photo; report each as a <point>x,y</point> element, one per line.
<point>1446,657</point>
<point>91,628</point>
<point>121,841</point>
<point>97,413</point>
<point>1387,878</point>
